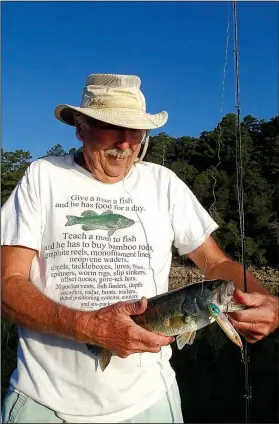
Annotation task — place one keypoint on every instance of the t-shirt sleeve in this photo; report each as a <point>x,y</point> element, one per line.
<point>192,224</point>
<point>21,215</point>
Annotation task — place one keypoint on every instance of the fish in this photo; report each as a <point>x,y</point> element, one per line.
<point>182,312</point>
<point>107,220</point>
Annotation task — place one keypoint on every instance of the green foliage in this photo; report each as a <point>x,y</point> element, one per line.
<point>56,150</point>
<point>13,166</point>
<point>159,148</point>
<point>184,171</point>
<point>208,165</point>
<point>74,150</point>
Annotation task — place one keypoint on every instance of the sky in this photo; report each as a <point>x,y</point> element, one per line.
<point>176,48</point>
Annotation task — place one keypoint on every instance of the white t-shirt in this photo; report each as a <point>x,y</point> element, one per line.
<point>98,244</point>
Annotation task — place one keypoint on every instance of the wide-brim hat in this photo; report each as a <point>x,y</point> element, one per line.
<point>114,99</point>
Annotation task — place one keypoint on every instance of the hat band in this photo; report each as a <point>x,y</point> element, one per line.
<point>114,99</point>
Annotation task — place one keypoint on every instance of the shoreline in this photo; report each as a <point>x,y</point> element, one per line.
<point>181,275</point>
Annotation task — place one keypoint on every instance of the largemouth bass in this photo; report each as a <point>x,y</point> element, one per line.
<point>90,220</point>
<point>182,312</point>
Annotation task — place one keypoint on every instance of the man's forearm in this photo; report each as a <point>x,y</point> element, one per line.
<point>24,304</point>
<point>231,270</point>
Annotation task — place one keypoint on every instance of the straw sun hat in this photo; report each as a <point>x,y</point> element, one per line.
<point>114,99</point>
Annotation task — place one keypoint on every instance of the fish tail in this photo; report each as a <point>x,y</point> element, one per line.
<point>104,358</point>
<point>71,220</point>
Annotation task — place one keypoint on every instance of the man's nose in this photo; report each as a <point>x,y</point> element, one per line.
<point>123,145</point>
<point>124,140</point>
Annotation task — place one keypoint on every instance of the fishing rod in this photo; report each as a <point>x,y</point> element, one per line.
<point>240,191</point>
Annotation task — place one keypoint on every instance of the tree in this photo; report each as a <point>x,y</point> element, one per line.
<point>159,148</point>
<point>75,150</point>
<point>184,171</point>
<point>56,150</point>
<point>14,164</point>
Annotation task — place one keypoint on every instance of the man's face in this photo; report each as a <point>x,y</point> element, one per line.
<point>110,151</point>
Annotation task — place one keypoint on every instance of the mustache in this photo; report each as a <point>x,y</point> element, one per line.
<point>118,153</point>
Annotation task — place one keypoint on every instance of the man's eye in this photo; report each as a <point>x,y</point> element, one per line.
<point>106,127</point>
<point>110,128</point>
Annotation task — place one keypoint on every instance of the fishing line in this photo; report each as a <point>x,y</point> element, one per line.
<point>212,210</point>
<point>240,192</point>
<point>219,124</point>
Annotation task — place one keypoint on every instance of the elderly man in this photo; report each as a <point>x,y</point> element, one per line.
<point>83,235</point>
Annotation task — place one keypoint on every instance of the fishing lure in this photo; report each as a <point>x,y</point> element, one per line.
<point>225,324</point>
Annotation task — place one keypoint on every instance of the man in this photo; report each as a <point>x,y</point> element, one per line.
<point>82,237</point>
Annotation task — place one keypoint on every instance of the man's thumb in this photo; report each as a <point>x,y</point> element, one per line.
<point>247,299</point>
<point>134,308</point>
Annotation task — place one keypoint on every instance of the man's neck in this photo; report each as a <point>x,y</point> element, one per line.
<point>79,160</point>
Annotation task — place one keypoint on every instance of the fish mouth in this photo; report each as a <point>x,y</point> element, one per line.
<point>222,295</point>
<point>125,224</point>
<point>128,223</point>
<point>222,291</point>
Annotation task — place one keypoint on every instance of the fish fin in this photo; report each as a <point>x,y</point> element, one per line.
<point>94,349</point>
<point>104,358</point>
<point>104,355</point>
<point>88,213</point>
<point>110,232</point>
<point>185,338</point>
<point>71,220</point>
<point>192,337</point>
<point>87,227</point>
<point>108,212</point>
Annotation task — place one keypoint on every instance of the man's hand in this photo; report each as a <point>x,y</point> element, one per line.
<point>261,316</point>
<point>259,319</point>
<point>112,328</point>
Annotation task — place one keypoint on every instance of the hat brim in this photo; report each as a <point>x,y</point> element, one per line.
<point>127,118</point>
